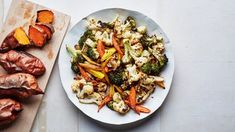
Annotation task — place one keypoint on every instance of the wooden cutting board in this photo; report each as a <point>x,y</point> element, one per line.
<point>23,13</point>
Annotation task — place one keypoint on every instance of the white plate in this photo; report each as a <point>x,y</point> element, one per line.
<point>106,115</point>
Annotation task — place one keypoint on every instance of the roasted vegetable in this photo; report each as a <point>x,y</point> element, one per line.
<point>151,68</point>
<point>162,61</point>
<point>9,110</point>
<point>116,77</point>
<point>15,39</point>
<point>92,53</point>
<point>105,25</point>
<point>83,38</point>
<point>19,85</point>
<point>118,104</point>
<point>76,58</point>
<point>47,28</point>
<point>20,61</point>
<point>131,21</point>
<point>45,16</point>
<point>148,41</point>
<point>37,35</point>
<point>108,54</point>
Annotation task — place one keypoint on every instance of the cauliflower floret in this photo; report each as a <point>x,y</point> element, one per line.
<point>159,47</point>
<point>138,49</point>
<point>86,90</point>
<point>117,97</point>
<point>114,62</point>
<point>98,35</point>
<point>134,75</point>
<point>136,35</point>
<point>93,98</point>
<point>126,34</point>
<point>107,38</point>
<point>90,43</point>
<point>144,58</point>
<point>118,104</point>
<point>152,79</point>
<point>77,85</point>
<point>102,87</point>
<point>142,29</point>
<point>92,24</point>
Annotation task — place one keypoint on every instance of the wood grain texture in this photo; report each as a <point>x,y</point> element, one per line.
<point>23,13</point>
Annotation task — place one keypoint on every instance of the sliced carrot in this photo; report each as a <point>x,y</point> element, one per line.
<point>90,66</point>
<point>161,84</point>
<point>45,16</point>
<point>132,98</point>
<point>100,48</point>
<point>119,90</point>
<point>139,108</point>
<point>48,29</point>
<point>111,91</point>
<point>37,35</point>
<point>116,45</point>
<point>89,60</point>
<point>104,101</point>
<point>142,109</point>
<point>84,73</point>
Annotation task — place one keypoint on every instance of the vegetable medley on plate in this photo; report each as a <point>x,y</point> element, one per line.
<point>117,64</point>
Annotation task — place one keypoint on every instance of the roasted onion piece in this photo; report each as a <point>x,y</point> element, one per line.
<point>19,85</point>
<point>19,61</point>
<point>9,110</point>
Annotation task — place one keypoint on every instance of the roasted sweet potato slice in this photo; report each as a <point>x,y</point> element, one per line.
<point>45,16</point>
<point>20,61</point>
<point>9,110</point>
<point>16,39</point>
<point>21,36</point>
<point>48,29</point>
<point>37,35</point>
<point>19,85</point>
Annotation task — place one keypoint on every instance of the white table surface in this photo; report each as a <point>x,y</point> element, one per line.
<point>202,96</point>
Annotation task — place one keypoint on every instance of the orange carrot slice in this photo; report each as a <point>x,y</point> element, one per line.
<point>116,45</point>
<point>100,48</point>
<point>104,101</point>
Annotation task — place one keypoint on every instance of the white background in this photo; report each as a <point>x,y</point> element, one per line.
<point>202,96</point>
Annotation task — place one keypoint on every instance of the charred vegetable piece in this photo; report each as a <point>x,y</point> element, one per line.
<point>15,39</point>
<point>45,16</point>
<point>116,77</point>
<point>82,40</point>
<point>37,35</point>
<point>19,61</point>
<point>19,85</point>
<point>9,110</point>
<point>48,29</point>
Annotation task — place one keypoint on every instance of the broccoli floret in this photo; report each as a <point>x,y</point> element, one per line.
<point>75,68</point>
<point>76,58</point>
<point>116,77</point>
<point>86,34</point>
<point>150,68</point>
<point>132,22</point>
<point>162,61</point>
<point>148,41</point>
<point>92,53</point>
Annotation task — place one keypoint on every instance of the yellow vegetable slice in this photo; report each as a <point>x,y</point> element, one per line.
<point>108,53</point>
<point>97,74</point>
<point>111,91</point>
<point>21,36</point>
